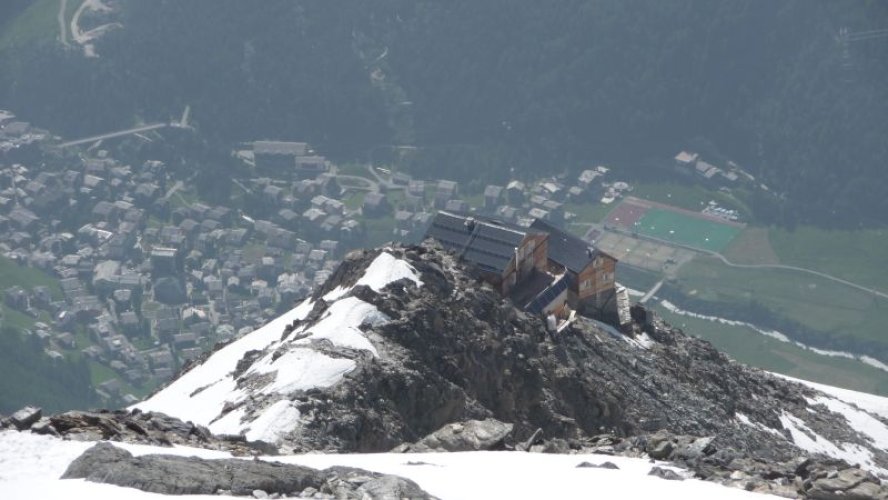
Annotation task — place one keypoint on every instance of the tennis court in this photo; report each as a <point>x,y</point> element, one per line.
<point>686,230</point>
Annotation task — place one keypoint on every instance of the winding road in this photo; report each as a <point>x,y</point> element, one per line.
<point>725,261</point>
<point>801,270</point>
<point>63,30</point>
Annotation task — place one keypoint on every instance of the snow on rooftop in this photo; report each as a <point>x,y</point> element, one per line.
<point>30,467</point>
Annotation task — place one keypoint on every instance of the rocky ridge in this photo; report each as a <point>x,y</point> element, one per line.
<point>432,359</point>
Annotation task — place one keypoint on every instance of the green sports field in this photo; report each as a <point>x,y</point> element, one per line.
<point>686,230</point>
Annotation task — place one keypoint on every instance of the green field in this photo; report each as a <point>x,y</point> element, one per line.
<point>588,212</point>
<point>37,23</point>
<point>686,230</point>
<point>754,349</point>
<point>819,304</point>
<point>859,256</point>
<point>12,274</point>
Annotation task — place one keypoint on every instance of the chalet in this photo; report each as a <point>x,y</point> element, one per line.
<point>277,156</point>
<point>506,212</point>
<point>706,170</point>
<point>416,188</point>
<point>505,255</point>
<point>446,191</point>
<point>310,167</point>
<point>375,205</point>
<point>492,196</point>
<point>590,272</point>
<point>515,192</point>
<point>401,179</point>
<point>456,206</point>
<point>685,161</point>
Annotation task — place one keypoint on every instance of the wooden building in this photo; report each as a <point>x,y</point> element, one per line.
<point>505,255</point>
<point>590,272</point>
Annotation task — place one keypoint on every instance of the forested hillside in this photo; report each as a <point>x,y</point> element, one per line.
<point>31,377</point>
<point>486,86</point>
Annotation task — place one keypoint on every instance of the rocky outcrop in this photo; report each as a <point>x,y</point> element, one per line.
<point>175,475</point>
<point>799,477</point>
<point>472,435</point>
<point>24,418</point>
<point>133,427</point>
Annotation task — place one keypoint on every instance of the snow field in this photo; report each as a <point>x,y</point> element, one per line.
<point>30,467</point>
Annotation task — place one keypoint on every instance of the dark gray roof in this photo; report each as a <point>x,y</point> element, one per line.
<point>565,248</point>
<point>280,148</point>
<point>487,243</point>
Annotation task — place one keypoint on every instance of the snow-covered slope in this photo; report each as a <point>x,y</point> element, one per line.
<point>877,405</point>
<point>865,413</point>
<point>30,467</point>
<point>207,393</point>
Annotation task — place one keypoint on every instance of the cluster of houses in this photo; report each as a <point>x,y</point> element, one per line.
<point>692,164</point>
<point>147,279</point>
<point>16,134</point>
<point>517,202</point>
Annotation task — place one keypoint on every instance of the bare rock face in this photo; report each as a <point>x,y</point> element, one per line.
<point>175,475</point>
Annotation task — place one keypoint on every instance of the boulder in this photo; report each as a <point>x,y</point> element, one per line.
<point>44,426</point>
<point>472,435</point>
<point>605,465</point>
<point>667,474</point>
<point>26,417</point>
<point>174,475</point>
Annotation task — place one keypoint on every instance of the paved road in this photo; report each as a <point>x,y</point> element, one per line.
<point>111,135</point>
<point>177,186</point>
<point>651,292</point>
<point>63,30</point>
<point>801,270</point>
<point>389,185</point>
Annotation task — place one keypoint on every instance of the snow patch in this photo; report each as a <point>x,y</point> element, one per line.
<point>858,420</point>
<point>275,422</point>
<point>301,369</point>
<point>340,324</point>
<point>810,441</point>
<point>743,419</point>
<point>200,394</point>
<point>385,269</point>
<point>877,405</point>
